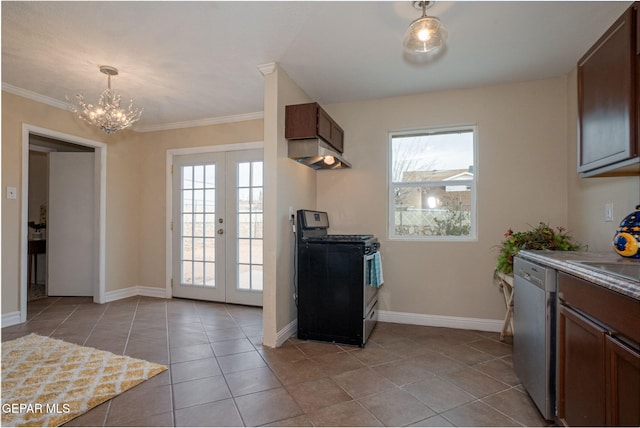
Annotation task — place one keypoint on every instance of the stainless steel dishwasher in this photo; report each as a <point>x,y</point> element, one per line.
<point>534,340</point>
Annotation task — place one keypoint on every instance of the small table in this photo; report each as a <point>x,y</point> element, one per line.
<point>35,247</point>
<point>505,282</point>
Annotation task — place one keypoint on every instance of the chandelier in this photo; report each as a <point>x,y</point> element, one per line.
<point>107,115</point>
<point>425,34</point>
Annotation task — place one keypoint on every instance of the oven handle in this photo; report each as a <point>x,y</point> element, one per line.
<point>368,267</point>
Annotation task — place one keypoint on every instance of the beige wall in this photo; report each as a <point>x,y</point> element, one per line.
<point>121,253</point>
<point>588,196</point>
<point>526,174</point>
<point>521,180</point>
<point>152,173</point>
<point>287,184</point>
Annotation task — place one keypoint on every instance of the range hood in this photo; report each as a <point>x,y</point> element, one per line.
<point>317,154</point>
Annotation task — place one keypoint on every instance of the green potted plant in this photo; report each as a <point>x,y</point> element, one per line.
<point>541,237</point>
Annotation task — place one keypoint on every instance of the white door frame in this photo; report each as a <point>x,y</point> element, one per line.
<point>100,212</point>
<point>169,194</point>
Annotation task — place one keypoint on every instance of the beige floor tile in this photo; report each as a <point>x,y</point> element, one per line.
<point>316,394</point>
<point>238,362</point>
<point>197,369</point>
<point>439,394</point>
<point>200,391</point>
<point>475,382</point>
<point>219,414</point>
<point>517,405</point>
<point>433,421</point>
<point>500,370</point>
<point>267,406</point>
<point>348,414</point>
<point>362,382</point>
<point>403,372</point>
<point>478,414</point>
<point>395,407</point>
<point>253,380</point>
<point>298,371</point>
<point>403,375</point>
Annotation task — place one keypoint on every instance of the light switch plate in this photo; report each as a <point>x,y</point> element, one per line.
<point>608,212</point>
<point>12,193</point>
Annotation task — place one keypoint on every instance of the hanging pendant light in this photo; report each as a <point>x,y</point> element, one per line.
<point>425,34</point>
<point>107,115</point>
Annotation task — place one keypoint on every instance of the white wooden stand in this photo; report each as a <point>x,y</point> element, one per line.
<point>505,282</point>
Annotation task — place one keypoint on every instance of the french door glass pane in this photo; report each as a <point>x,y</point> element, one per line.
<point>197,228</point>
<point>250,225</point>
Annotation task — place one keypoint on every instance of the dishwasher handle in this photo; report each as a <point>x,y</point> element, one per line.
<point>537,275</point>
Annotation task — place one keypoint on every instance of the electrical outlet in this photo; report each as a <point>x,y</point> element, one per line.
<point>291,212</point>
<point>608,212</point>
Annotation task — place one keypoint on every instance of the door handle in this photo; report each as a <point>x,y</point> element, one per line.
<point>220,231</point>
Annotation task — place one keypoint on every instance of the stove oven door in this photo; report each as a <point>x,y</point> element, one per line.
<point>370,308</point>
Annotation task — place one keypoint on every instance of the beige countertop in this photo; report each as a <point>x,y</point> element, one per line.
<point>561,261</point>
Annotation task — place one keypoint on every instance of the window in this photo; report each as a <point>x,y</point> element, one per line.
<point>432,184</point>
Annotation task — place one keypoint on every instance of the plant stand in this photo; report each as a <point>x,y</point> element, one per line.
<point>505,282</point>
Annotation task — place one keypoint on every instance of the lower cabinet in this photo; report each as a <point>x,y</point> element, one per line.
<point>623,380</point>
<point>598,355</point>
<point>581,380</point>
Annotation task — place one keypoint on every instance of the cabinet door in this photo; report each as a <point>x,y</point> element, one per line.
<point>324,125</point>
<point>606,98</point>
<point>581,373</point>
<point>337,137</point>
<point>623,384</point>
<point>300,121</point>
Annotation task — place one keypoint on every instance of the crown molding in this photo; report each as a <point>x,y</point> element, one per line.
<point>267,68</point>
<point>201,122</point>
<point>35,96</point>
<point>150,128</point>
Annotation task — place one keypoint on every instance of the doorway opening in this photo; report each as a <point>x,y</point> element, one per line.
<point>43,152</point>
<point>62,216</point>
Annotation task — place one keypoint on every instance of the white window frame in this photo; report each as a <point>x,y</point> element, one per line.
<point>473,184</point>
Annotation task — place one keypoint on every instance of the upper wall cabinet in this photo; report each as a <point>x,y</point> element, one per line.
<point>609,101</point>
<point>304,121</point>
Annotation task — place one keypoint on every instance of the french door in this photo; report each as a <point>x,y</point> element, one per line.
<point>217,236</point>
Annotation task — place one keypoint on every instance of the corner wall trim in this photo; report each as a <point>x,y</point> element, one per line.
<point>12,318</point>
<point>481,324</point>
<point>288,331</point>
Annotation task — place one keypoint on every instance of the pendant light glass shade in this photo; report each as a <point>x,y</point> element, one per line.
<point>425,34</point>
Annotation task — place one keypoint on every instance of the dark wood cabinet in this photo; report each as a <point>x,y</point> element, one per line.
<point>608,102</point>
<point>581,393</point>
<point>623,380</point>
<point>598,355</point>
<point>304,121</point>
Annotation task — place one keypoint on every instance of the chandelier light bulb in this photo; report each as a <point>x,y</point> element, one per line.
<point>423,35</point>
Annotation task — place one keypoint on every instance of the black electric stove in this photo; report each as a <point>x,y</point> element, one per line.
<point>336,301</point>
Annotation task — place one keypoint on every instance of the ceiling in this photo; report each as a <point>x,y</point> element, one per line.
<point>197,62</point>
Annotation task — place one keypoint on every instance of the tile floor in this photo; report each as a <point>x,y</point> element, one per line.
<point>220,375</point>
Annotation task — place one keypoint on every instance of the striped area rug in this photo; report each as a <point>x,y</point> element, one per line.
<point>47,382</point>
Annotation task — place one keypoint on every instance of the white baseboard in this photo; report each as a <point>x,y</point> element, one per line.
<point>160,293</point>
<point>12,318</point>
<point>137,290</point>
<point>288,331</point>
<point>463,323</point>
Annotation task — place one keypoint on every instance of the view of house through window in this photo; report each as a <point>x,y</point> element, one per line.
<point>432,188</point>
